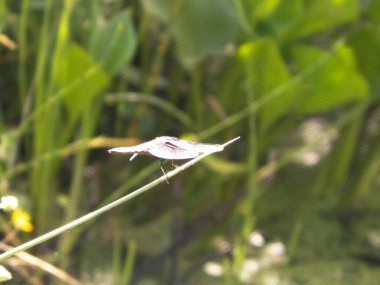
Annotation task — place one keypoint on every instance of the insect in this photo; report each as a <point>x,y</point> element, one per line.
<point>170,148</point>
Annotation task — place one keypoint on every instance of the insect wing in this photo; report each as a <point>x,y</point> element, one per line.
<point>171,151</point>
<point>201,147</point>
<point>198,147</point>
<point>168,148</point>
<point>141,148</point>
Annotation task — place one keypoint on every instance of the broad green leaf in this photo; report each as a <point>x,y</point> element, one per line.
<point>276,17</point>
<point>331,85</point>
<point>84,78</point>
<point>365,43</point>
<point>202,27</point>
<point>319,15</point>
<point>264,64</point>
<point>113,44</point>
<point>286,17</point>
<point>263,9</point>
<point>199,27</point>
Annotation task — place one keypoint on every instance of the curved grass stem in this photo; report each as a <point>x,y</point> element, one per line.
<point>105,208</point>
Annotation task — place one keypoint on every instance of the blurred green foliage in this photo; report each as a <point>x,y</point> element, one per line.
<point>296,79</point>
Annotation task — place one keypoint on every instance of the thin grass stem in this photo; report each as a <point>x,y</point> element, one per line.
<point>105,208</point>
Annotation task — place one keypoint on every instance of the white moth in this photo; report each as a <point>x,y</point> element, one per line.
<point>170,148</point>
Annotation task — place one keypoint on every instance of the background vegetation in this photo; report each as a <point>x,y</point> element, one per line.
<point>295,201</point>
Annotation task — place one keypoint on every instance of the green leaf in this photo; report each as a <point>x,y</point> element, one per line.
<point>365,43</point>
<point>263,9</point>
<point>267,71</point>
<point>333,84</point>
<point>114,44</point>
<point>199,27</point>
<point>84,78</point>
<point>276,17</point>
<point>286,17</point>
<point>319,15</point>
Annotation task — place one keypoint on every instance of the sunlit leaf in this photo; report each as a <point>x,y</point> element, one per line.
<point>84,76</point>
<point>263,9</point>
<point>332,85</point>
<point>268,71</point>
<point>319,15</point>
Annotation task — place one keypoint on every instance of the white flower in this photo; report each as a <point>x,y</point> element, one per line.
<point>8,203</point>
<point>250,267</point>
<point>256,239</point>
<point>213,269</point>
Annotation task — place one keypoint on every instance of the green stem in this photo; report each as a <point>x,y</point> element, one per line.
<point>251,158</point>
<point>42,135</point>
<point>167,107</point>
<point>196,96</point>
<point>22,80</point>
<point>87,127</point>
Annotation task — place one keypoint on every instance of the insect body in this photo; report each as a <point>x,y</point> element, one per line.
<point>170,148</point>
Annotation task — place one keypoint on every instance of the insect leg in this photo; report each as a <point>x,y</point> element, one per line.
<point>133,156</point>
<point>174,165</point>
<point>162,169</point>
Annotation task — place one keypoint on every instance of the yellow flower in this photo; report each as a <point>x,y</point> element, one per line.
<point>21,220</point>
